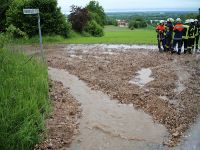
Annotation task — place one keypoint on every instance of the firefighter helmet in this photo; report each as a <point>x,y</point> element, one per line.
<point>187,21</point>
<point>162,21</point>
<point>170,20</point>
<point>191,20</point>
<point>178,20</point>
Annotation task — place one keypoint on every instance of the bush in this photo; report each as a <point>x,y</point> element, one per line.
<point>94,29</point>
<point>23,101</point>
<point>111,21</point>
<point>6,38</point>
<point>137,24</point>
<point>52,20</point>
<point>15,32</point>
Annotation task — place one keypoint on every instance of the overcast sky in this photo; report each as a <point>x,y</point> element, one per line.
<point>110,5</point>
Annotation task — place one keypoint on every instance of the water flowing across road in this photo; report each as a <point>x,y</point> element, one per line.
<point>106,124</point>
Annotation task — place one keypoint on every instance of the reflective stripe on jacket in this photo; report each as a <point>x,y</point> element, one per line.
<point>197,30</point>
<point>185,31</point>
<point>191,32</point>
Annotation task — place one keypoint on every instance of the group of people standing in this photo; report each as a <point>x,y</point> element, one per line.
<point>172,33</point>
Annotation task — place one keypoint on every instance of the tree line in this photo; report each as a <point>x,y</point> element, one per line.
<point>90,19</point>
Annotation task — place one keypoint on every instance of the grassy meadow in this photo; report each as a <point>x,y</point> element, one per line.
<point>113,35</point>
<point>23,101</point>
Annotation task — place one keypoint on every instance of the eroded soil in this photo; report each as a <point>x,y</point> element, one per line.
<point>62,125</point>
<point>172,98</point>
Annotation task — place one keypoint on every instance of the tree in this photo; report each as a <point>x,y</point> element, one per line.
<point>97,12</point>
<point>3,8</point>
<point>79,18</point>
<point>137,23</point>
<point>52,20</point>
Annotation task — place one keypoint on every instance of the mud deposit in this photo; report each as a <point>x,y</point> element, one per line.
<point>62,125</point>
<point>171,96</point>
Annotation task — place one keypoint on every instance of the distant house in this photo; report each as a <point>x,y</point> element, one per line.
<point>122,23</point>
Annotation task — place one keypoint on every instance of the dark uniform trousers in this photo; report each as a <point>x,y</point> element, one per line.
<point>190,44</point>
<point>161,39</point>
<point>180,43</point>
<point>185,43</point>
<point>197,41</point>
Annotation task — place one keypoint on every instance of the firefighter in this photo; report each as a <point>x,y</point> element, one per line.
<point>185,34</point>
<point>169,33</point>
<point>160,29</point>
<point>197,32</point>
<point>191,36</point>
<point>178,31</point>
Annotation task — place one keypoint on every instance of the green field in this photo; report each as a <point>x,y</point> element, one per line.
<point>23,101</point>
<point>113,35</point>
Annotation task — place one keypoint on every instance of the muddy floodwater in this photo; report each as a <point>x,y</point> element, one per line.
<point>106,124</point>
<point>143,77</point>
<point>191,140</point>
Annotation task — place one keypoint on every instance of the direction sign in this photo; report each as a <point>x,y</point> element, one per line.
<point>31,11</point>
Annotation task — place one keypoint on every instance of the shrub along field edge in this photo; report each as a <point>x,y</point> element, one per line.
<point>24,101</point>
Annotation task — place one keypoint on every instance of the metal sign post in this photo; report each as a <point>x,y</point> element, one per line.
<point>33,12</point>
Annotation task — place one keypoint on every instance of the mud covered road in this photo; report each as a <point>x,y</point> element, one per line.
<point>165,87</point>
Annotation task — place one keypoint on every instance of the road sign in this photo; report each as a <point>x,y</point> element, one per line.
<point>30,11</point>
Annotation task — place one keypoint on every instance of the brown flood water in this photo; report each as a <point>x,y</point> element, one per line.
<point>108,125</point>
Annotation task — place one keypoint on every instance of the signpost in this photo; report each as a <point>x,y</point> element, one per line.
<point>34,12</point>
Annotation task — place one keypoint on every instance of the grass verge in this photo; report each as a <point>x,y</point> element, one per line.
<point>113,35</point>
<point>23,101</point>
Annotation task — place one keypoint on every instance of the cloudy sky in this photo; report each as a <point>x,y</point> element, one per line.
<point>110,5</point>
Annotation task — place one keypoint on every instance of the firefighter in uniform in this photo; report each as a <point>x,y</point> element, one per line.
<point>197,32</point>
<point>185,35</point>
<point>161,29</point>
<point>191,36</point>
<point>169,33</point>
<point>178,31</point>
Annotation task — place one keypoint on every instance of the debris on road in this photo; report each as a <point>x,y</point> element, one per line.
<point>112,74</point>
<point>62,124</point>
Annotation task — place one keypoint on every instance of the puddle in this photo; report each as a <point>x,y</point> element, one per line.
<point>75,56</point>
<point>174,102</point>
<point>164,98</point>
<point>191,141</point>
<point>183,77</point>
<point>109,53</point>
<point>180,87</point>
<point>102,47</point>
<point>124,46</point>
<point>143,77</point>
<point>108,125</point>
